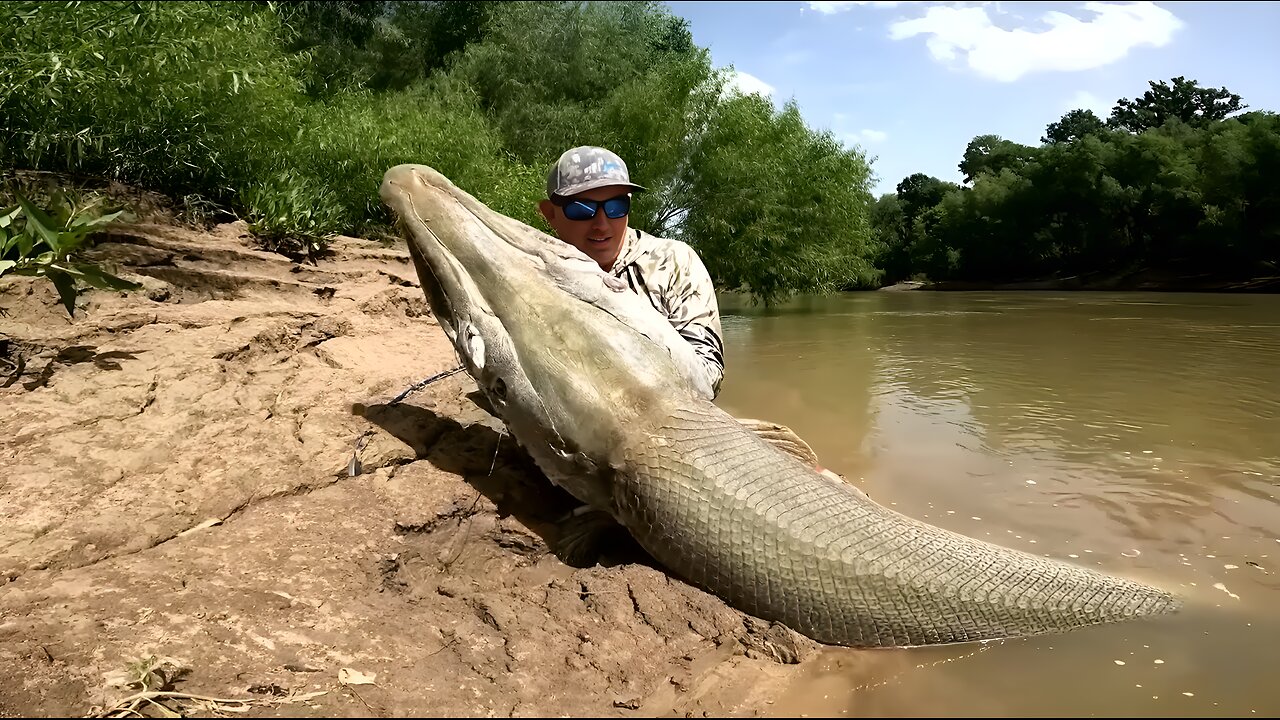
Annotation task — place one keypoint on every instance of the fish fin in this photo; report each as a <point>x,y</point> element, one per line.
<point>783,438</point>
<point>786,440</point>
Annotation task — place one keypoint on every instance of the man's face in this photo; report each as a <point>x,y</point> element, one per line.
<point>600,237</point>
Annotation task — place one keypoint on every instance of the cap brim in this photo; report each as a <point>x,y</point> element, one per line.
<point>593,184</point>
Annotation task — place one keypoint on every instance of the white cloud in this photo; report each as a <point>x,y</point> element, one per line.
<point>746,84</point>
<point>840,127</point>
<point>836,6</point>
<point>1069,43</point>
<point>864,137</point>
<point>1085,100</point>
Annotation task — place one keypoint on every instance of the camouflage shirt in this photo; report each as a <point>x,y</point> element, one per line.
<point>672,277</point>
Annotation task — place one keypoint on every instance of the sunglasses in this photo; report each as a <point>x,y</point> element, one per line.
<point>614,208</point>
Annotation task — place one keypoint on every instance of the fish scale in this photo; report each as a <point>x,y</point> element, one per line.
<point>833,564</point>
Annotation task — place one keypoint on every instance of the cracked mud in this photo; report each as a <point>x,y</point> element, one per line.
<point>177,484</point>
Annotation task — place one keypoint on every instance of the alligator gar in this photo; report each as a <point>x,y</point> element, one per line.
<point>600,390</point>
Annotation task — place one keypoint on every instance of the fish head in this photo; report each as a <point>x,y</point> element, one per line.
<point>568,357</point>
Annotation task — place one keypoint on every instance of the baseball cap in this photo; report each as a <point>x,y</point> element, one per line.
<point>586,167</point>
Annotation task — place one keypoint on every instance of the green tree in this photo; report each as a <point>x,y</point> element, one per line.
<point>381,44</point>
<point>1074,126</point>
<point>1078,206</point>
<point>993,154</point>
<point>1184,100</point>
<point>623,75</point>
<point>902,226</point>
<point>891,231</point>
<point>919,192</point>
<point>545,71</point>
<point>288,113</point>
<point>992,230</point>
<point>775,207</point>
<point>1188,193</point>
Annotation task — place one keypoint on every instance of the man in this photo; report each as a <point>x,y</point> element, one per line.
<point>589,204</point>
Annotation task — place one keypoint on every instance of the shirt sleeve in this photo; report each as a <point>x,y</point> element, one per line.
<point>694,313</point>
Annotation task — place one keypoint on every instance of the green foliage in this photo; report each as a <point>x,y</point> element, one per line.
<point>993,154</point>
<point>40,243</point>
<point>891,236</point>
<point>1184,100</point>
<point>775,206</point>
<point>920,192</point>
<point>438,123</point>
<point>378,45</point>
<point>1074,126</point>
<point>347,43</point>
<point>288,114</point>
<point>543,77</point>
<point>1194,193</point>
<point>903,224</point>
<point>655,121</point>
<point>180,96</point>
<point>292,213</point>
<point>545,71</point>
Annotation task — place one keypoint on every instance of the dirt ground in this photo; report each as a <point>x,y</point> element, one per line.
<point>177,495</point>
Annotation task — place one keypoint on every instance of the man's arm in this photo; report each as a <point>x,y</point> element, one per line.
<point>708,346</point>
<point>694,313</point>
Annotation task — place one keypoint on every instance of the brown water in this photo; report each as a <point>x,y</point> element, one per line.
<point>1135,433</point>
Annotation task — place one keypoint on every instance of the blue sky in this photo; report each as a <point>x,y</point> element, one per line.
<point>913,82</point>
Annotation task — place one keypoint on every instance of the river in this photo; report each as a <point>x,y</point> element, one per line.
<point>1137,433</point>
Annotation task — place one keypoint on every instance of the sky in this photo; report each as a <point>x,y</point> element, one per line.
<point>911,83</point>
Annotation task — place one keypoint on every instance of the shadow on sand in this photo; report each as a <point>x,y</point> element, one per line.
<point>498,468</point>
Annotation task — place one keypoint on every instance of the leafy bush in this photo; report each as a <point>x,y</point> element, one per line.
<point>37,243</point>
<point>348,143</point>
<point>288,114</point>
<point>189,97</point>
<point>292,213</point>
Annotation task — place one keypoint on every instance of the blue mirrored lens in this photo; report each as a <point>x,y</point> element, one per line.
<point>580,210</point>
<point>614,208</point>
<point>617,207</point>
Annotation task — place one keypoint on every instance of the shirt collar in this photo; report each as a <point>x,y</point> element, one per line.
<point>628,252</point>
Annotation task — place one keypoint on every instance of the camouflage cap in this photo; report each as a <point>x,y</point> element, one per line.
<point>584,168</point>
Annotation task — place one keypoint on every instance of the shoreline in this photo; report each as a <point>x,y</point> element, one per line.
<point>1137,282</point>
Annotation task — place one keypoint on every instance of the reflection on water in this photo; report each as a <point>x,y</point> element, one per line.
<point>1135,433</point>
